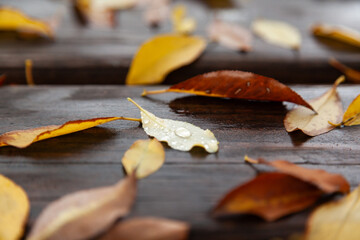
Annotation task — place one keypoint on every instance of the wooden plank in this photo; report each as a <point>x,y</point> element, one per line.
<point>97,56</point>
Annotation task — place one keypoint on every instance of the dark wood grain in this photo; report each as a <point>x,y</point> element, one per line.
<point>102,56</point>
<point>190,183</point>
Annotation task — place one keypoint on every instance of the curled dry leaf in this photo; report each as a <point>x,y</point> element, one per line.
<point>277,33</point>
<point>328,107</point>
<point>161,55</point>
<point>351,74</point>
<point>144,156</point>
<point>14,20</point>
<point>84,214</point>
<point>24,138</point>
<point>14,209</point>
<point>327,182</point>
<point>156,11</point>
<point>236,84</point>
<point>352,115</point>
<point>148,228</point>
<point>230,35</point>
<point>338,33</point>
<point>269,196</point>
<point>336,220</point>
<point>181,23</point>
<point>179,135</point>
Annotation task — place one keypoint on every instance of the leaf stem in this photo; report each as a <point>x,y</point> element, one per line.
<point>250,160</point>
<point>131,119</point>
<point>145,93</point>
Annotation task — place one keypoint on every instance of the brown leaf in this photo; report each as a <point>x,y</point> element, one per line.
<point>84,214</point>
<point>327,182</point>
<point>2,79</point>
<point>270,196</point>
<point>351,74</point>
<point>230,35</point>
<point>236,84</point>
<point>148,228</point>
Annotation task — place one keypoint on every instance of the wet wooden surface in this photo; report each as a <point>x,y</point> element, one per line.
<point>102,56</point>
<point>190,183</point>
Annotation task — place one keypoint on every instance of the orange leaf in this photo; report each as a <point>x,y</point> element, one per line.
<point>270,196</point>
<point>14,209</point>
<point>236,84</point>
<point>351,74</point>
<point>327,182</point>
<point>24,138</point>
<point>148,228</point>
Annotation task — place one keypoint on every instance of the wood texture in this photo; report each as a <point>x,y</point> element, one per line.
<point>102,56</point>
<point>190,183</point>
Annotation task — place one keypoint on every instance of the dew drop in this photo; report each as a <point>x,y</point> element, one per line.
<point>146,121</point>
<point>182,132</point>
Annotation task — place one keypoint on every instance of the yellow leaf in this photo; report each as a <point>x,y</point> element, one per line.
<point>14,209</point>
<point>14,20</point>
<point>179,135</point>
<point>161,55</point>
<point>352,115</point>
<point>328,108</point>
<point>85,214</point>
<point>182,24</point>
<point>24,138</point>
<point>278,33</point>
<point>336,220</point>
<point>144,156</point>
<point>339,33</point>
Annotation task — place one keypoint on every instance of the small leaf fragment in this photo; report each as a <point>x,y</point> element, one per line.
<point>181,23</point>
<point>269,196</point>
<point>336,220</point>
<point>24,138</point>
<point>84,214</point>
<point>278,33</point>
<point>179,135</point>
<point>14,209</point>
<point>328,107</point>
<point>161,55</point>
<point>230,35</point>
<point>144,156</point>
<point>352,115</point>
<point>14,20</point>
<point>148,228</point>
<point>236,84</point>
<point>338,33</point>
<point>327,182</point>
<point>351,74</point>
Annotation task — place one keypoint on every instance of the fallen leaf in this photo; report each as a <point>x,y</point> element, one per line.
<point>269,196</point>
<point>328,107</point>
<point>161,55</point>
<point>156,12</point>
<point>336,220</point>
<point>338,33</point>
<point>351,74</point>
<point>14,209</point>
<point>352,115</point>
<point>144,156</point>
<point>179,135</point>
<point>230,35</point>
<point>327,182</point>
<point>84,214</point>
<point>236,84</point>
<point>24,138</point>
<point>148,228</point>
<point>181,23</point>
<point>28,72</point>
<point>14,20</point>
<point>2,79</point>
<point>277,33</point>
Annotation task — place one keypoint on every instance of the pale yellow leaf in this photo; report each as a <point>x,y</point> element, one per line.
<point>84,214</point>
<point>338,220</point>
<point>14,209</point>
<point>339,33</point>
<point>352,115</point>
<point>179,135</point>
<point>144,156</point>
<point>181,23</point>
<point>328,108</point>
<point>277,33</point>
<point>161,55</point>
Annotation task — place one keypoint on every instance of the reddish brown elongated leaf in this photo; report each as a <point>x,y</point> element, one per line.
<point>236,84</point>
<point>230,35</point>
<point>351,74</point>
<point>84,214</point>
<point>269,196</point>
<point>148,228</point>
<point>327,182</point>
